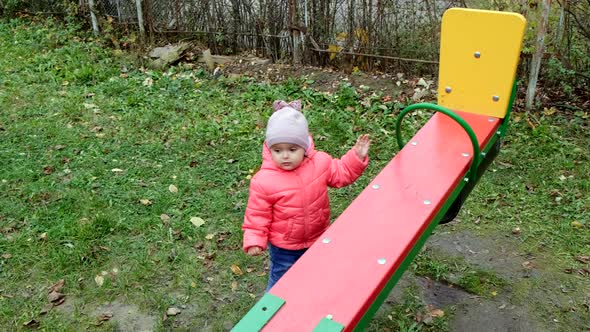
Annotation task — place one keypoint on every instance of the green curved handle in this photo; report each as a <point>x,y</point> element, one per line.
<point>476,151</point>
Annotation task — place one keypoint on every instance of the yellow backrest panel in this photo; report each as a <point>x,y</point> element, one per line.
<point>479,53</point>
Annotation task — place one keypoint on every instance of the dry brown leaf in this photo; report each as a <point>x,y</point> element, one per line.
<point>236,270</point>
<point>583,259</point>
<point>31,324</point>
<point>47,170</point>
<point>104,317</point>
<point>436,313</point>
<point>172,188</point>
<point>528,264</point>
<point>165,218</point>
<point>55,296</point>
<point>99,280</point>
<point>57,286</point>
<point>59,302</point>
<point>172,311</point>
<point>549,111</point>
<point>516,231</point>
<point>145,202</point>
<point>198,222</point>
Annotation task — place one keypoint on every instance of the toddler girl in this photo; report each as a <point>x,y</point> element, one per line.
<point>288,208</point>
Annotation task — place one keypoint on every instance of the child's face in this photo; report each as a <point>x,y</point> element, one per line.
<point>287,156</point>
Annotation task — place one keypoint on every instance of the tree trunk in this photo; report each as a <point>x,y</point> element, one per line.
<point>295,32</point>
<point>538,55</point>
<point>93,17</point>
<point>140,19</point>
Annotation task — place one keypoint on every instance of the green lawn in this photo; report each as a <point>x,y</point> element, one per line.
<point>103,164</point>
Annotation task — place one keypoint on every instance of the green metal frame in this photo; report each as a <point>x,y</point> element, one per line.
<point>328,325</point>
<point>476,152</point>
<point>260,314</point>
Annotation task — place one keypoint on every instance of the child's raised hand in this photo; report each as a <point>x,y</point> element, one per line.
<point>254,251</point>
<point>362,146</point>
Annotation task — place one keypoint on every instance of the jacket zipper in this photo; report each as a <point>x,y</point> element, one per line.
<point>304,205</point>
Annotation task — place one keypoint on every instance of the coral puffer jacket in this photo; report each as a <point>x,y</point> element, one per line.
<point>291,209</point>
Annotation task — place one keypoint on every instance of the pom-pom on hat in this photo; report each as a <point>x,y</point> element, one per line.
<point>287,125</point>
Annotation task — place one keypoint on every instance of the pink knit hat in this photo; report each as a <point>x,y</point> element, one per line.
<point>287,125</point>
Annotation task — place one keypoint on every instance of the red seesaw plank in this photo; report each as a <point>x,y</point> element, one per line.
<point>345,270</point>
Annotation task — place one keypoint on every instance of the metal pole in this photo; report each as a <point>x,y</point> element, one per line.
<point>93,17</point>
<point>140,18</point>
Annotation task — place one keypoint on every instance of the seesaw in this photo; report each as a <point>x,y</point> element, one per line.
<point>342,280</point>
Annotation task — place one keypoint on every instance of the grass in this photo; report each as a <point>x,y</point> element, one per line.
<point>90,144</point>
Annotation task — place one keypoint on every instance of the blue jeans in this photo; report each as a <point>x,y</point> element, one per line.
<point>281,260</point>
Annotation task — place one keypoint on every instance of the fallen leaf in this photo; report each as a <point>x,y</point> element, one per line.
<point>516,231</point>
<point>117,170</point>
<point>43,236</point>
<point>59,302</point>
<point>57,286</point>
<point>193,284</point>
<point>172,188</point>
<point>172,311</point>
<point>145,202</point>
<point>198,222</point>
<point>47,170</point>
<point>236,270</point>
<point>104,317</point>
<point>6,256</point>
<point>32,323</point>
<point>210,236</point>
<point>99,280</point>
<point>55,296</point>
<point>165,218</point>
<point>148,81</point>
<point>583,259</point>
<point>549,111</point>
<point>494,293</point>
<point>577,224</point>
<point>436,313</point>
<point>528,265</point>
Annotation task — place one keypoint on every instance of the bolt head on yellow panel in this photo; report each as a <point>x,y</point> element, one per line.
<point>479,55</point>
